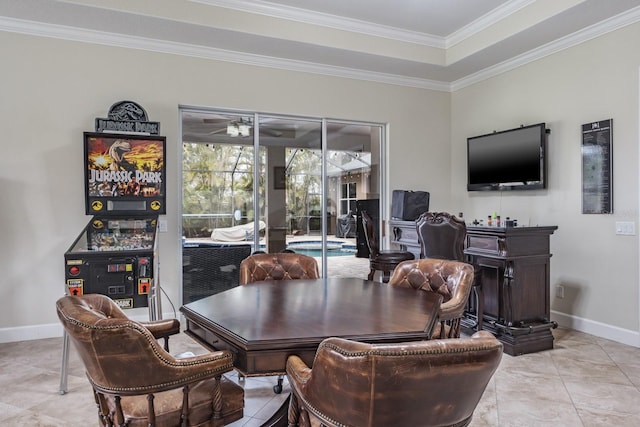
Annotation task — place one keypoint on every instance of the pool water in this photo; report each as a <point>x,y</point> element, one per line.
<point>314,248</point>
<point>317,253</point>
<point>311,248</point>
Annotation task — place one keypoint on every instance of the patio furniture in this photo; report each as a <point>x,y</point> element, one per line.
<point>209,268</point>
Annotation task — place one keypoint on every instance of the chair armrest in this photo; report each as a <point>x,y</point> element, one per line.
<point>297,370</point>
<point>162,328</point>
<point>162,371</point>
<point>454,308</point>
<point>192,369</point>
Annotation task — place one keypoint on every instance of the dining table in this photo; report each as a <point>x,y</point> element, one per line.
<point>263,323</point>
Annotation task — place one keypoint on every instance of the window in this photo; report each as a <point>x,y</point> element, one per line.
<point>348,198</point>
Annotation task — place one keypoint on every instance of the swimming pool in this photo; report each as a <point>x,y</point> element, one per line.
<point>314,248</point>
<point>311,247</point>
<point>317,253</point>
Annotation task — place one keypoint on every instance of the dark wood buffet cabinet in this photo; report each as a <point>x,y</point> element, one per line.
<point>515,265</point>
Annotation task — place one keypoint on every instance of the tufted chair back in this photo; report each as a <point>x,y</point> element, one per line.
<point>422,383</point>
<point>129,371</point>
<point>279,266</point>
<point>451,279</point>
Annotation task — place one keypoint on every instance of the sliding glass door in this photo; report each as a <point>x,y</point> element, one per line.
<point>353,180</point>
<point>278,182</point>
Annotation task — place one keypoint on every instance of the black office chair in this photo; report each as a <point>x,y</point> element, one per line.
<point>442,236</point>
<point>385,261</point>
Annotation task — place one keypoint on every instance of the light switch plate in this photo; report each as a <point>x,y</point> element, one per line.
<point>626,228</point>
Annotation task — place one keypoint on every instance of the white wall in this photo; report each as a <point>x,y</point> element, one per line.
<point>594,81</point>
<point>52,90</point>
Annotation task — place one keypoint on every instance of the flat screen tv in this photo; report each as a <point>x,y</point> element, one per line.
<point>512,159</point>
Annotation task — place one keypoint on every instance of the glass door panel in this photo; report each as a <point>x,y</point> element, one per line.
<point>217,178</point>
<point>353,174</point>
<point>293,196</point>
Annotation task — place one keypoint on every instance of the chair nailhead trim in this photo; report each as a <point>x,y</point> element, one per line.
<point>405,352</point>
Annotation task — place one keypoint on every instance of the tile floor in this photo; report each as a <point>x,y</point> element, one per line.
<point>584,381</point>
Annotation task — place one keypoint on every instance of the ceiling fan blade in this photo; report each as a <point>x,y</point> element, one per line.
<point>271,132</point>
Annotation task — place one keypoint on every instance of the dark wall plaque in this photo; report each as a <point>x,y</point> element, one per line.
<point>597,167</point>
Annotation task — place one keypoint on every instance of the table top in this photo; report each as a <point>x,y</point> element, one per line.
<point>294,313</point>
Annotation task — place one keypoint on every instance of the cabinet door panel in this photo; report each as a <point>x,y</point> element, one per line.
<point>492,276</point>
<point>530,289</point>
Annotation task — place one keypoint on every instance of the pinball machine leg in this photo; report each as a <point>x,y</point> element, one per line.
<point>154,300</point>
<point>65,363</point>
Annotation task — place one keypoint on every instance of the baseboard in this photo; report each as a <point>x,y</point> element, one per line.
<point>602,330</point>
<point>51,330</point>
<point>28,333</point>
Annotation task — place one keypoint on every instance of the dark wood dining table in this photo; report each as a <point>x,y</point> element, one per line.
<point>263,323</point>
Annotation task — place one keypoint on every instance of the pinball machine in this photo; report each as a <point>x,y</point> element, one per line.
<point>115,254</point>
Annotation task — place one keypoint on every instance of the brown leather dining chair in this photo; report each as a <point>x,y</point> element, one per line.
<point>442,236</point>
<point>422,383</point>
<point>451,279</point>
<point>135,381</point>
<point>380,260</point>
<point>278,266</point>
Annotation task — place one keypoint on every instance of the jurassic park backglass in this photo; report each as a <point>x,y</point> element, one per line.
<point>124,174</point>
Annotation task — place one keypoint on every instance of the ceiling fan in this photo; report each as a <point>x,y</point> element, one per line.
<point>242,128</point>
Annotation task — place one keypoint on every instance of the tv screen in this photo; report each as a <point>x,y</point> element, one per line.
<point>513,159</point>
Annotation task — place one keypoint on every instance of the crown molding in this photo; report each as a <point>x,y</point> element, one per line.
<point>596,30</point>
<point>486,21</point>
<point>164,46</point>
<point>327,20</point>
<point>354,25</point>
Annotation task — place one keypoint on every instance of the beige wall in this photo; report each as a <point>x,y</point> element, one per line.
<point>593,81</point>
<point>52,90</point>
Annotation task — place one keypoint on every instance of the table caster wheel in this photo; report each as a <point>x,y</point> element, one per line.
<point>277,389</point>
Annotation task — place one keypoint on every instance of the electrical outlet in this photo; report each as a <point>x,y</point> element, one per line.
<point>559,291</point>
<point>626,228</point>
<point>162,226</point>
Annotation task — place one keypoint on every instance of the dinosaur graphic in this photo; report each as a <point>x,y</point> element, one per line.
<point>117,152</point>
<point>127,110</point>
